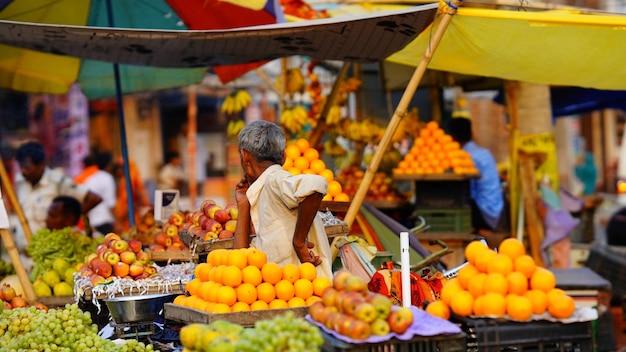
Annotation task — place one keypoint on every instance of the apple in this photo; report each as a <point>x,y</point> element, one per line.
<point>343,323</point>
<point>340,277</point>
<point>101,248</point>
<point>103,269</point>
<point>135,245</point>
<point>230,225</point>
<point>380,327</point>
<point>119,246</point>
<point>355,284</point>
<point>350,301</point>
<point>212,225</point>
<point>89,257</point>
<point>156,247</point>
<point>142,257</point>
<point>96,279</point>
<point>195,230</point>
<point>111,236</point>
<point>330,320</point>
<point>94,261</point>
<point>212,210</point>
<point>103,254</point>
<point>221,216</point>
<point>400,319</point>
<point>232,210</point>
<point>224,234</point>
<point>195,217</point>
<point>136,269</point>
<point>381,303</point>
<point>128,257</point>
<point>121,269</point>
<point>366,312</point>
<point>171,230</point>
<point>185,226</point>
<point>112,258</point>
<point>330,297</point>
<point>172,248</point>
<point>141,276</point>
<point>149,270</point>
<point>204,207</point>
<point>177,219</point>
<point>359,330</point>
<point>207,236</point>
<point>316,311</point>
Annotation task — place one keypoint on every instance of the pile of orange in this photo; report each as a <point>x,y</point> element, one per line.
<point>301,158</point>
<point>434,152</point>
<point>235,280</point>
<point>506,283</point>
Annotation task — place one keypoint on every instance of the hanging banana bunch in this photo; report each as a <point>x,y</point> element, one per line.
<point>333,149</point>
<point>295,81</point>
<point>294,119</point>
<point>234,127</point>
<point>236,102</point>
<point>334,115</point>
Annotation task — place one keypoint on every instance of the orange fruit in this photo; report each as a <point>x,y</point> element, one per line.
<point>202,271</point>
<point>500,263</point>
<point>301,163</point>
<point>317,166</point>
<point>221,308</point>
<point>496,283</point>
<point>209,307</point>
<point>449,289</point>
<point>311,154</point>
<point>303,288</point>
<point>438,309</point>
<point>512,248</point>
<point>432,125</point>
<point>334,188</point>
<point>294,171</point>
<point>341,197</point>
<point>256,257</point>
<point>554,293</point>
<point>302,144</point>
<point>466,273</point>
<point>192,286</point>
<point>517,283</point>
<point>278,304</point>
<point>271,272</point>
<point>265,292</point>
<point>179,300</point>
<point>525,264</point>
<point>307,271</point>
<point>251,275</point>
<point>284,290</point>
<point>327,174</point>
<point>212,297</point>
<point>562,307</point>
<point>483,260</point>
<point>246,293</point>
<point>232,276</point>
<point>476,285</point>
<point>519,308</point>
<point>327,198</point>
<point>226,295</point>
<point>320,284</point>
<point>219,274</point>
<point>288,164</point>
<point>494,305</point>
<point>479,303</point>
<point>462,303</point>
<point>259,305</point>
<point>205,289</point>
<point>473,250</point>
<point>291,273</point>
<point>296,302</point>
<point>240,307</point>
<point>538,299</point>
<point>293,152</point>
<point>238,258</point>
<point>543,279</point>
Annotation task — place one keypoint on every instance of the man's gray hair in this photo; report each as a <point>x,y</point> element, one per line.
<point>263,140</point>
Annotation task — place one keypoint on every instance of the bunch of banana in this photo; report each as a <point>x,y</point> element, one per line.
<point>236,102</point>
<point>234,127</point>
<point>294,119</point>
<point>295,81</point>
<point>334,115</point>
<point>333,149</point>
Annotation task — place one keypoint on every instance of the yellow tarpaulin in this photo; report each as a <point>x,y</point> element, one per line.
<point>555,47</point>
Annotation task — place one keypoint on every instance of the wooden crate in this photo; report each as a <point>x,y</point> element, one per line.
<point>188,315</point>
<point>56,301</point>
<point>172,256</point>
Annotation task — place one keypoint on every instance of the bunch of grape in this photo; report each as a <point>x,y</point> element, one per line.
<point>69,329</point>
<point>281,333</point>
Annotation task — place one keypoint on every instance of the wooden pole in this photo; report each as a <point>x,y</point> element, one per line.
<point>513,154</point>
<point>534,224</point>
<point>320,128</point>
<point>4,176</point>
<point>192,113</point>
<point>399,113</point>
<point>9,245</point>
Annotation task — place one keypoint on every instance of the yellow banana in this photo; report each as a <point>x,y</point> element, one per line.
<point>295,81</point>
<point>334,115</point>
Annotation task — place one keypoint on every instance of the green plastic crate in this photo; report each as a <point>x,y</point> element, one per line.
<point>447,219</point>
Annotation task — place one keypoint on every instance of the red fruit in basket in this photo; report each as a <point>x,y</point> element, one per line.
<point>163,239</point>
<point>331,297</point>
<point>8,292</point>
<point>233,211</point>
<point>350,301</point>
<point>359,330</point>
<point>136,269</point>
<point>101,248</point>
<point>366,312</point>
<point>156,248</point>
<point>356,284</point>
<point>134,245</point>
<point>224,234</point>
<point>315,311</point>
<point>171,230</point>
<point>103,269</point>
<point>230,225</point>
<point>96,280</point>
<point>142,257</point>
<point>400,320</point>
<point>343,324</point>
<point>111,236</point>
<point>221,215</point>
<point>380,327</point>
<point>150,270</point>
<point>128,257</point>
<point>195,217</point>
<point>121,269</point>
<point>212,225</point>
<point>212,210</point>
<point>177,219</point>
<point>339,279</point>
<point>206,204</point>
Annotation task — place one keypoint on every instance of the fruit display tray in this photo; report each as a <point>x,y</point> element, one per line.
<point>495,335</point>
<point>172,256</point>
<point>57,301</point>
<point>181,314</point>
<point>441,343</point>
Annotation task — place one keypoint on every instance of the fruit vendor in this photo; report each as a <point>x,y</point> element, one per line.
<point>486,197</point>
<point>64,211</point>
<point>281,207</point>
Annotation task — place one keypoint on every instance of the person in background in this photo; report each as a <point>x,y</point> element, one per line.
<point>486,196</point>
<point>140,198</point>
<point>283,208</point>
<point>101,183</point>
<point>587,173</point>
<point>64,211</point>
<point>171,175</point>
<point>37,185</point>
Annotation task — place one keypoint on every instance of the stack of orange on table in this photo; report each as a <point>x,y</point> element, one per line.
<point>506,283</point>
<point>236,280</point>
<point>301,158</point>
<point>434,152</point>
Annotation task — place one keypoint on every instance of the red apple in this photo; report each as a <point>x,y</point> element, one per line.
<point>149,269</point>
<point>89,257</point>
<point>134,245</point>
<point>177,219</point>
<point>141,276</point>
<point>315,311</point>
<point>206,204</point>
<point>96,279</point>
<point>121,269</point>
<point>112,258</point>
<point>359,330</point>
<point>111,236</point>
<point>343,323</point>
<point>195,217</point>
<point>331,318</point>
<point>207,236</point>
<point>366,312</point>
<point>224,234</point>
<point>128,257</point>
<point>211,212</point>
<point>94,261</point>
<point>221,216</point>
<point>233,211</point>
<point>230,225</point>
<point>136,269</point>
<point>381,303</point>
<point>142,257</point>
<point>330,297</point>
<point>103,254</point>
<point>119,246</point>
<point>103,269</point>
<point>195,230</point>
<point>101,248</point>
<point>380,327</point>
<point>350,301</point>
<point>156,247</point>
<point>340,277</point>
<point>400,319</point>
<point>171,230</point>
<point>355,283</point>
<point>212,226</point>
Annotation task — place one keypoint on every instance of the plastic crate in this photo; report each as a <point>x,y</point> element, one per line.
<point>447,219</point>
<point>442,193</point>
<point>610,263</point>
<point>491,335</point>
<point>442,343</point>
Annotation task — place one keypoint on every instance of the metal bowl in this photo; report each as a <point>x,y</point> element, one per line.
<point>135,309</point>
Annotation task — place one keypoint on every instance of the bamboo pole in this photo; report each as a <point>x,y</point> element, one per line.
<point>4,176</point>
<point>399,113</point>
<point>514,195</point>
<point>320,128</point>
<point>192,113</point>
<point>9,245</point>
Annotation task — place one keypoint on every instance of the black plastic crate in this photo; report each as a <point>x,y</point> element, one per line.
<point>442,194</point>
<point>609,263</point>
<point>494,335</point>
<point>447,219</point>
<point>441,343</point>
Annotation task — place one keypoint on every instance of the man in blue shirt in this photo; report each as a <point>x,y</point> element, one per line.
<point>485,192</point>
